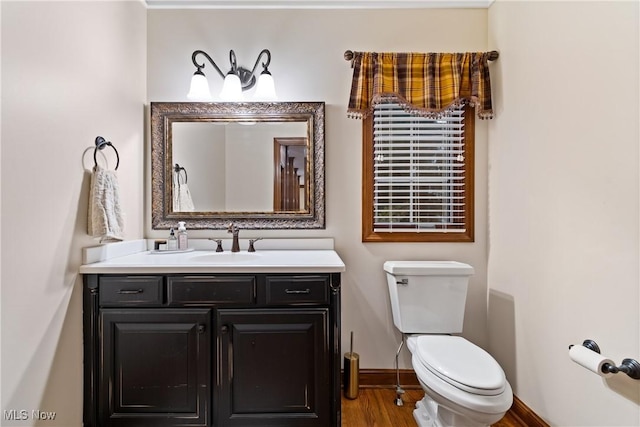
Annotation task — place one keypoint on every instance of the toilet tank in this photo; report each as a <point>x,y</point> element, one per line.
<point>428,296</point>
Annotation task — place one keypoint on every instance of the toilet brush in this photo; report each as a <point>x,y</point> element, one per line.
<point>351,362</point>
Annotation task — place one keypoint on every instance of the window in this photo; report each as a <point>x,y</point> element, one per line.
<point>417,176</point>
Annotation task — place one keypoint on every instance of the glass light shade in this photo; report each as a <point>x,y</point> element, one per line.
<point>231,89</point>
<point>265,88</point>
<point>199,90</point>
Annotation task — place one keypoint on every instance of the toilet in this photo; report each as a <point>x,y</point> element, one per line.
<point>464,386</point>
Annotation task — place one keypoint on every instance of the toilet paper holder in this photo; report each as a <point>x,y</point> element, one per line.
<point>631,367</point>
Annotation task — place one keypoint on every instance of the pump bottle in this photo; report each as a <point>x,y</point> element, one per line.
<point>172,242</point>
<point>183,241</point>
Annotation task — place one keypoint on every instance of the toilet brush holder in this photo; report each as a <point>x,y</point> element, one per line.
<point>351,373</point>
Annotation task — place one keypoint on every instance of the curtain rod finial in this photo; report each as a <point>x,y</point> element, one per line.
<point>493,55</point>
<point>348,55</point>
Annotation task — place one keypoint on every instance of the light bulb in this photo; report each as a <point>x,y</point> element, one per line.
<point>231,89</point>
<point>199,90</point>
<point>265,89</point>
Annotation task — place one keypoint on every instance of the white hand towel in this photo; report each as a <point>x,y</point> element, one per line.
<point>105,219</point>
<point>182,201</point>
<point>185,203</point>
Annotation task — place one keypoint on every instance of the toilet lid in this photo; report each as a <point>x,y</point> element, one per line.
<point>461,364</point>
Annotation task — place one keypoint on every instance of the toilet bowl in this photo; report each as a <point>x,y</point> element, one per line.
<point>464,386</point>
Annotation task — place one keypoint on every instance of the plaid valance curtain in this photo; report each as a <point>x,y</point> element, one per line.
<point>426,84</point>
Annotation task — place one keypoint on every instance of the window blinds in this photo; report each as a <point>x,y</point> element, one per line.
<point>419,171</point>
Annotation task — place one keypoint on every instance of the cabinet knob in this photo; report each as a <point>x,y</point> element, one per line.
<point>201,328</point>
<point>224,329</point>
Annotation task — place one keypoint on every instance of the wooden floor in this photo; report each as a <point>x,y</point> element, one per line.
<point>375,407</point>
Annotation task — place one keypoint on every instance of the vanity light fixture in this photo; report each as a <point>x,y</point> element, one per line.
<point>237,80</point>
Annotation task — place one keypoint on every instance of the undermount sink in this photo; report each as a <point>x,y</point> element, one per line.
<point>225,257</point>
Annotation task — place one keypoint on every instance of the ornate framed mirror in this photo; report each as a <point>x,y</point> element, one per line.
<point>257,164</point>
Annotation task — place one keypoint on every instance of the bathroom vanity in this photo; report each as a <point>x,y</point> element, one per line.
<point>207,339</point>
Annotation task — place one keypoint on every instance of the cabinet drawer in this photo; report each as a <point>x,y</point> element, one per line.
<point>297,290</point>
<point>211,290</point>
<point>130,290</point>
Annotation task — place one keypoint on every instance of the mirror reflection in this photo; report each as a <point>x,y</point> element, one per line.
<point>260,165</point>
<point>239,166</point>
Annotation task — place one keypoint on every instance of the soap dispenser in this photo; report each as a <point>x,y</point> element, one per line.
<point>183,242</point>
<point>172,241</point>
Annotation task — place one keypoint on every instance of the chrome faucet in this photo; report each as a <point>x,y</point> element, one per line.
<point>234,230</point>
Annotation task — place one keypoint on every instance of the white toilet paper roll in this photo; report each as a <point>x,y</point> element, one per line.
<point>590,359</point>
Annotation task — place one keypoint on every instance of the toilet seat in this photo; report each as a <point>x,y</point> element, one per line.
<point>460,363</point>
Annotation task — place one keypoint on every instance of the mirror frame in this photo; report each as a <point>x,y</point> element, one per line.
<point>164,114</point>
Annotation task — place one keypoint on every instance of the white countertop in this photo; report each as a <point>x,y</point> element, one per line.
<point>207,261</point>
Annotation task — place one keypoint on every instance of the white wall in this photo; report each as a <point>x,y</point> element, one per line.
<point>71,71</point>
<point>307,48</point>
<point>563,192</point>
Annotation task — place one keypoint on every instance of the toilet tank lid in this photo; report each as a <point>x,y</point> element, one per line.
<point>428,268</point>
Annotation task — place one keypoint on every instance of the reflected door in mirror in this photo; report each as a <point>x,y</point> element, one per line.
<point>291,175</point>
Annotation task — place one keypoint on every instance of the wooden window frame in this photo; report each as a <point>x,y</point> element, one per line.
<point>368,233</point>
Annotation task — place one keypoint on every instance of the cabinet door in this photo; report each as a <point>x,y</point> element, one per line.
<point>274,368</point>
<point>155,367</point>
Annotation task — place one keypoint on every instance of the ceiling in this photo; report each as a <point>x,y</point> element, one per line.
<point>315,4</point>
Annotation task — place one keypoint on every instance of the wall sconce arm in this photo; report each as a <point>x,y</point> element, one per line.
<point>206,55</point>
<point>265,65</point>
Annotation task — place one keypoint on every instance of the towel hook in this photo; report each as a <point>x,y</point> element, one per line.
<point>100,144</point>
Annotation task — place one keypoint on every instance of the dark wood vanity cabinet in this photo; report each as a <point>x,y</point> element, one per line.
<point>154,367</point>
<point>274,368</point>
<point>212,350</point>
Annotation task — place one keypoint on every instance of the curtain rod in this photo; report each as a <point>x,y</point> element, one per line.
<point>493,55</point>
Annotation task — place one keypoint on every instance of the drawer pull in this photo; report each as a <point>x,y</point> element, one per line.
<point>297,291</point>
<point>130,291</point>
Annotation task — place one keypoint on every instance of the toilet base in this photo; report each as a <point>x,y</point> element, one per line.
<point>429,413</point>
